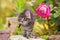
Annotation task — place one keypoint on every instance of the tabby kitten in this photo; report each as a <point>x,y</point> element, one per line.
<point>26,19</point>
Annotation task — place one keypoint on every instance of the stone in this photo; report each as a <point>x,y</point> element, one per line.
<point>20,37</point>
<point>54,37</point>
<point>4,34</point>
<point>11,24</point>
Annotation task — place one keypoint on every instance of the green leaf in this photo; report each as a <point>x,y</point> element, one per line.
<point>44,36</point>
<point>19,31</point>
<point>20,5</point>
<point>38,2</point>
<point>56,14</point>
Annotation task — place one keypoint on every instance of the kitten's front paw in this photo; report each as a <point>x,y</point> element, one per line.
<point>33,36</point>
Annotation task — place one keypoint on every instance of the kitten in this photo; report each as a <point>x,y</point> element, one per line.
<point>26,19</point>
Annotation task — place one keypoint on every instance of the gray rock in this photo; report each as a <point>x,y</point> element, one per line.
<point>54,37</point>
<point>20,37</point>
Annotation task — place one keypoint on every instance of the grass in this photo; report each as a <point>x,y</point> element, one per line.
<point>1,27</point>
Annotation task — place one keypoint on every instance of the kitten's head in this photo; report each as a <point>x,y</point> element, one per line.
<point>25,17</point>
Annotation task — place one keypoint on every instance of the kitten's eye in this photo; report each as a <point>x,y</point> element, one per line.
<point>19,19</point>
<point>25,19</point>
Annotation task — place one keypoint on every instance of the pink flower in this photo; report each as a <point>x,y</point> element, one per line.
<point>43,10</point>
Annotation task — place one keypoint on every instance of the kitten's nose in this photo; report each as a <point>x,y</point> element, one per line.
<point>22,21</point>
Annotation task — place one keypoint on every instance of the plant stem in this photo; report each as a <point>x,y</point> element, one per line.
<point>49,30</point>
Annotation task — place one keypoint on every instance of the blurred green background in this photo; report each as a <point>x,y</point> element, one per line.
<point>11,8</point>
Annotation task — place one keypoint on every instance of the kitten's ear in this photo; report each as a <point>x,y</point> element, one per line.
<point>27,13</point>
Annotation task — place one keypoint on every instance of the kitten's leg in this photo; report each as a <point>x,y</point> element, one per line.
<point>29,34</point>
<point>32,35</point>
<point>24,33</point>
